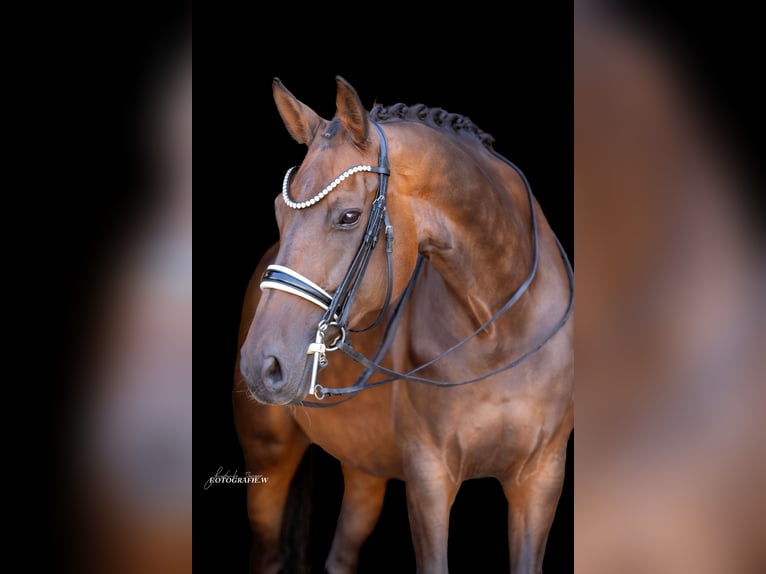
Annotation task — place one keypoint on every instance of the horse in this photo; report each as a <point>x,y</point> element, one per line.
<point>477,333</point>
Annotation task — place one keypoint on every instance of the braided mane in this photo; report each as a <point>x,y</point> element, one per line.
<point>434,117</point>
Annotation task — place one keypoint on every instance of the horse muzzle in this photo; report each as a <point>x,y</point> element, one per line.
<point>273,379</point>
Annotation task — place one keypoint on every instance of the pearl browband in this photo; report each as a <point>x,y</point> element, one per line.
<point>322,194</point>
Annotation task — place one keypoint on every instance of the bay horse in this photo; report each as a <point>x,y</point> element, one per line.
<point>481,363</point>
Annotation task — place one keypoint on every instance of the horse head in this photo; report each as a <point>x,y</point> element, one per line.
<point>329,209</point>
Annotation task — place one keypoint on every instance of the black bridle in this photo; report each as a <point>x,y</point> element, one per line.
<point>337,306</point>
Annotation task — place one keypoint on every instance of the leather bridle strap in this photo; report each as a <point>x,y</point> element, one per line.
<point>383,346</point>
<point>340,305</point>
<point>410,375</point>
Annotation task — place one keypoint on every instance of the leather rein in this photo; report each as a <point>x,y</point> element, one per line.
<point>337,306</point>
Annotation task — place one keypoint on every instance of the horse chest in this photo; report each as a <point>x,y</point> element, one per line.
<point>357,435</point>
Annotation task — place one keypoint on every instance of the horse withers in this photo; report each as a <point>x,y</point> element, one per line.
<point>481,361</point>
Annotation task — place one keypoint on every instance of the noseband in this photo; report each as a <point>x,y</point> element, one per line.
<point>336,307</point>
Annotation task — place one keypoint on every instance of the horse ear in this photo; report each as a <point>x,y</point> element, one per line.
<point>350,112</point>
<point>300,120</point>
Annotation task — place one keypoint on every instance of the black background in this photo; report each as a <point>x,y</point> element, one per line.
<point>514,83</point>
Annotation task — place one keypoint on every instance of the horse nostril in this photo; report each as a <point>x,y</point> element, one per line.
<point>272,372</point>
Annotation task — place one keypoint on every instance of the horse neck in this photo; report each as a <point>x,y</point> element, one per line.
<point>473,224</point>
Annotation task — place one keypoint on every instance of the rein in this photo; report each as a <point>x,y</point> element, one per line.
<point>337,306</point>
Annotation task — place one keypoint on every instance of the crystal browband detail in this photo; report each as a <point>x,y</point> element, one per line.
<point>322,194</point>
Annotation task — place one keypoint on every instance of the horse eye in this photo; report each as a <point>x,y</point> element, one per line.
<point>350,217</point>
